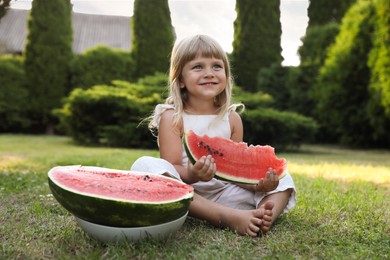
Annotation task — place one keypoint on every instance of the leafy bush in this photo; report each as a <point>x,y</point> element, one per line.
<point>279,129</point>
<point>159,79</point>
<point>251,100</point>
<point>109,115</point>
<point>266,125</point>
<point>101,65</point>
<point>273,80</point>
<point>13,95</point>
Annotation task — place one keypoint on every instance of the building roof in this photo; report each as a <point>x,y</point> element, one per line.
<point>88,31</point>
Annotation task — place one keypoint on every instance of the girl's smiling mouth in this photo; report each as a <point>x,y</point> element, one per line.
<point>208,83</point>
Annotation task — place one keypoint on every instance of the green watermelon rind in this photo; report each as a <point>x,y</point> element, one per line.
<point>190,155</point>
<point>118,213</point>
<point>226,177</point>
<point>218,174</point>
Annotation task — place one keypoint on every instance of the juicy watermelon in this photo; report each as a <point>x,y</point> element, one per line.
<point>235,162</point>
<point>119,198</point>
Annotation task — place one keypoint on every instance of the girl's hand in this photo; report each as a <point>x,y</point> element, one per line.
<point>269,183</point>
<point>204,169</point>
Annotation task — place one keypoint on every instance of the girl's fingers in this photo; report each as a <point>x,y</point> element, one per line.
<point>206,167</point>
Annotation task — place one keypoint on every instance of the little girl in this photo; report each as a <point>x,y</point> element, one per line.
<point>200,90</point>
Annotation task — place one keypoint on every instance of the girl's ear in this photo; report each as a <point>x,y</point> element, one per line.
<point>182,85</point>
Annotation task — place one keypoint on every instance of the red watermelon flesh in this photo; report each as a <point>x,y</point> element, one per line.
<point>120,185</point>
<point>235,162</point>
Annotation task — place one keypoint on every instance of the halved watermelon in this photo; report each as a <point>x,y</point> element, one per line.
<point>119,198</point>
<point>235,162</point>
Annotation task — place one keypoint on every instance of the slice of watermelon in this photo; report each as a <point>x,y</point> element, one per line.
<point>235,162</point>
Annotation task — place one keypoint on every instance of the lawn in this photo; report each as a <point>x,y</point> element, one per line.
<point>343,209</point>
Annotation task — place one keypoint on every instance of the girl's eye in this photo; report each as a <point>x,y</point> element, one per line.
<point>197,67</point>
<point>217,67</point>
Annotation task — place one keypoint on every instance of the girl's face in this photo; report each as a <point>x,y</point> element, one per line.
<point>204,78</point>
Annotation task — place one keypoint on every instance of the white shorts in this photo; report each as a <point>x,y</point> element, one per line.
<point>223,192</point>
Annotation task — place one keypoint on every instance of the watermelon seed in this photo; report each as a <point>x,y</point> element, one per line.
<point>209,149</point>
<point>147,178</point>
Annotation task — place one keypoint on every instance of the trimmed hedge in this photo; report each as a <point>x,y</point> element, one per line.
<point>252,100</point>
<point>101,65</point>
<point>109,115</point>
<point>159,80</point>
<point>279,129</point>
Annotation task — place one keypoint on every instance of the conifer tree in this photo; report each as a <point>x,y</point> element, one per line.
<point>47,56</point>
<point>379,57</point>
<point>152,36</point>
<point>256,44</point>
<point>324,19</point>
<point>4,6</point>
<point>324,22</point>
<point>355,76</point>
<point>321,12</point>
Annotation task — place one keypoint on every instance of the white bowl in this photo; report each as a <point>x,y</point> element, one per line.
<point>117,234</point>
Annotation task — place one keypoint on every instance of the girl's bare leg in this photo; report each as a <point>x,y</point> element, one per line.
<point>244,222</point>
<point>273,205</point>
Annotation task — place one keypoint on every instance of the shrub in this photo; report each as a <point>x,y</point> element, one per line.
<point>109,115</point>
<point>279,129</point>
<point>273,80</point>
<point>251,100</point>
<point>159,79</point>
<point>13,95</point>
<point>101,65</point>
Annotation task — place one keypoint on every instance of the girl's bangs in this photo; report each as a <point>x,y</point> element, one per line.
<point>208,50</point>
<point>203,47</point>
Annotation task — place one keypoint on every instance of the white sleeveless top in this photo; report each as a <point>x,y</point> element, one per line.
<point>202,125</point>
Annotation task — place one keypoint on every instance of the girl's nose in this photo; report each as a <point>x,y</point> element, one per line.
<point>209,73</point>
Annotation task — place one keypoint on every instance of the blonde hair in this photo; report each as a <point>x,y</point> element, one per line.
<point>183,52</point>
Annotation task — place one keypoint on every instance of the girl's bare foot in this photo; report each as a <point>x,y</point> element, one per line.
<point>245,222</point>
<point>266,210</point>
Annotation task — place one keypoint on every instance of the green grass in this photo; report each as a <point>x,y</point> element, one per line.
<point>343,209</point>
